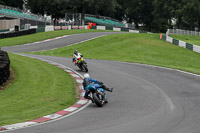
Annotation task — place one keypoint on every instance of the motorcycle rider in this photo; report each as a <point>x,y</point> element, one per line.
<point>76,56</point>
<point>89,83</point>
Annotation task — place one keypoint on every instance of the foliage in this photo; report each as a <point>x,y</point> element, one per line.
<point>153,15</point>
<point>13,3</point>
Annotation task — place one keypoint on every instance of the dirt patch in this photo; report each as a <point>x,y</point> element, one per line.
<point>77,89</point>
<point>10,80</point>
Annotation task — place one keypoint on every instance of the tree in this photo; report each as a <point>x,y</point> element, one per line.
<point>154,15</point>
<point>1,2</point>
<point>191,14</point>
<point>140,12</point>
<point>13,3</point>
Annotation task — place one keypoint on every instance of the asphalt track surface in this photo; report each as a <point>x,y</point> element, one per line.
<point>57,43</point>
<point>146,99</point>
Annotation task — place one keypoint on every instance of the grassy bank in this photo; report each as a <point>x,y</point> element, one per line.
<point>187,38</point>
<point>140,48</point>
<point>41,36</point>
<point>39,89</point>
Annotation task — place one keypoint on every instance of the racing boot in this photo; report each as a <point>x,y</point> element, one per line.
<point>89,98</point>
<point>107,89</point>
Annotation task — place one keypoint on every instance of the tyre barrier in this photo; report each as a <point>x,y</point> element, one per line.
<point>17,33</point>
<point>4,67</point>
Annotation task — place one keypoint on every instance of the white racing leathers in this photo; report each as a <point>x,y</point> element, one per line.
<point>75,57</point>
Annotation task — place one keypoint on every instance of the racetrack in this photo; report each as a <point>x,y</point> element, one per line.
<point>146,99</point>
<point>56,43</point>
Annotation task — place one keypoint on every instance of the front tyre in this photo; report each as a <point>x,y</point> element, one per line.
<point>97,100</point>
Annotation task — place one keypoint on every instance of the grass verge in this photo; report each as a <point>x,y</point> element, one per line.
<point>140,48</point>
<point>41,36</point>
<point>187,38</point>
<point>38,90</point>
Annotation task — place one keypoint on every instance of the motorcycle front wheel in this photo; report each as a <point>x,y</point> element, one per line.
<point>97,99</point>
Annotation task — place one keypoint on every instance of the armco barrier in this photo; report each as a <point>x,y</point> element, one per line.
<point>98,27</point>
<point>41,28</point>
<point>180,43</point>
<point>4,67</point>
<point>109,28</point>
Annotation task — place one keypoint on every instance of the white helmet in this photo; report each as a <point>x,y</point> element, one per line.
<point>86,75</point>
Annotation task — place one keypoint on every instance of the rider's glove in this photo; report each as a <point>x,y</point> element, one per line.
<point>100,82</point>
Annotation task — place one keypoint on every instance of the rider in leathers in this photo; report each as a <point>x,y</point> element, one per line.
<point>89,83</point>
<point>76,56</point>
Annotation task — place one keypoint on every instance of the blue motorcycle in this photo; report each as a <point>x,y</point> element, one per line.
<point>98,96</point>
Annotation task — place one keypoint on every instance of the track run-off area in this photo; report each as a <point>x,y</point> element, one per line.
<point>146,99</point>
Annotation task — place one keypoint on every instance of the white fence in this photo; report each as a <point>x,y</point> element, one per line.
<point>182,32</point>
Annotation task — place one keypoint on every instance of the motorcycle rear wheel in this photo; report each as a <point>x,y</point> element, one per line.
<point>85,67</point>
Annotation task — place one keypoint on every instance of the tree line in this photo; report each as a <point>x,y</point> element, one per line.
<point>152,15</point>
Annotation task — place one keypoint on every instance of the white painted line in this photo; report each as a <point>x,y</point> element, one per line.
<point>73,43</point>
<point>79,81</point>
<point>33,43</point>
<point>53,63</point>
<point>70,109</point>
<point>53,116</point>
<point>74,75</point>
<point>86,40</point>
<point>68,71</point>
<point>19,125</point>
<point>82,102</point>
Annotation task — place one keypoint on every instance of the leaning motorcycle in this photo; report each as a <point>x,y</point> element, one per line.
<point>98,95</point>
<point>82,64</point>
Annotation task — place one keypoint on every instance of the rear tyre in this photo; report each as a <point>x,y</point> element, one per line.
<point>85,67</point>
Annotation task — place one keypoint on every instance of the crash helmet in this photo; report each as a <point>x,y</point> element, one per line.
<point>76,52</point>
<point>86,75</point>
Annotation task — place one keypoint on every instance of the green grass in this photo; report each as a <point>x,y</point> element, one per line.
<point>41,36</point>
<point>39,89</point>
<point>187,38</point>
<point>140,48</point>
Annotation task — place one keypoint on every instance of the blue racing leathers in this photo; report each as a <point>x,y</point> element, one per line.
<point>89,83</point>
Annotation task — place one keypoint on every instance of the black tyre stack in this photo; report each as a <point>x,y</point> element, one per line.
<point>4,67</point>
